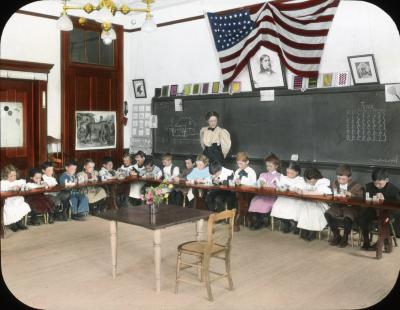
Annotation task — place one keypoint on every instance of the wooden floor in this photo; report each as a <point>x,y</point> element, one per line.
<point>68,266</point>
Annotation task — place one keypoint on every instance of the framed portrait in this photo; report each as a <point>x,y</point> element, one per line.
<point>363,69</point>
<point>95,130</point>
<point>215,87</point>
<point>140,88</point>
<point>165,91</point>
<point>173,90</point>
<point>266,71</point>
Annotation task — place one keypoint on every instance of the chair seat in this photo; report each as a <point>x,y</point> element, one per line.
<point>200,247</point>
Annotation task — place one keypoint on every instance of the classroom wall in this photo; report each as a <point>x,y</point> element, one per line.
<point>184,53</point>
<point>29,38</point>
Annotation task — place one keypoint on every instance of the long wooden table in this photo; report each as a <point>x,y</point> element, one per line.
<point>241,191</point>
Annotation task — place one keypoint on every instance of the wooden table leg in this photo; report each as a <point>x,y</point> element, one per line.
<point>200,237</point>
<point>157,258</point>
<point>383,233</point>
<point>240,201</point>
<point>113,239</point>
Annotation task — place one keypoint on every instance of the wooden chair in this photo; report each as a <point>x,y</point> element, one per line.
<point>218,245</point>
<point>375,232</point>
<point>355,229</point>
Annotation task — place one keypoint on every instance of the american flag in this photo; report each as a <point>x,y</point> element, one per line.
<point>295,29</point>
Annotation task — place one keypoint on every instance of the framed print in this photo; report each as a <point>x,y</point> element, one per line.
<point>297,82</point>
<point>205,88</point>
<point>165,91</point>
<point>215,87</point>
<point>225,88</point>
<point>342,79</point>
<point>196,89</point>
<point>235,87</point>
<point>312,82</point>
<point>173,90</point>
<point>95,130</point>
<point>363,69</point>
<point>392,92</point>
<point>140,88</point>
<point>187,89</point>
<point>327,79</point>
<point>265,70</point>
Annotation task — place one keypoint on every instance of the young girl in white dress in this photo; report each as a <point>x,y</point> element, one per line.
<point>286,208</point>
<point>15,208</point>
<point>311,217</point>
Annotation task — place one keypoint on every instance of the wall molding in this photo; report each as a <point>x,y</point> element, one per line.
<point>25,66</point>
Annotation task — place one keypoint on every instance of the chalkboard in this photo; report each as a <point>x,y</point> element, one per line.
<point>353,125</point>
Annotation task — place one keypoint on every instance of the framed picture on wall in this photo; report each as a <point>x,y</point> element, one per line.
<point>140,88</point>
<point>95,130</point>
<point>266,71</point>
<point>196,89</point>
<point>215,87</point>
<point>173,90</point>
<point>205,88</point>
<point>165,91</point>
<point>363,69</point>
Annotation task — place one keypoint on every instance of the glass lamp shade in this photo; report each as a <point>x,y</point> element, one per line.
<point>107,36</point>
<point>64,23</point>
<point>104,15</point>
<point>149,24</point>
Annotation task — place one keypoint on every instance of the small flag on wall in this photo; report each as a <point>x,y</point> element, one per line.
<point>297,82</point>
<point>342,79</point>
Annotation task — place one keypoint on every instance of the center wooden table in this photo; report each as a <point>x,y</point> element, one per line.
<point>168,215</point>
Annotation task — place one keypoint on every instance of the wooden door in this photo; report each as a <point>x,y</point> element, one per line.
<point>30,149</point>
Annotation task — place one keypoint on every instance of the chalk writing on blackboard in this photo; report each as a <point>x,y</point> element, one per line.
<point>183,131</point>
<point>383,161</point>
<point>366,124</point>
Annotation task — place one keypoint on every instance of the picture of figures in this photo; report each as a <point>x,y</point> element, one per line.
<point>363,69</point>
<point>12,134</point>
<point>266,70</point>
<point>95,130</point>
<point>139,88</point>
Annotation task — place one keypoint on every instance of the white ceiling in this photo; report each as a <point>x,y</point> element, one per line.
<point>163,10</point>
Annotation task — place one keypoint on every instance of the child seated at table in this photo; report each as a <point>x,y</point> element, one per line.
<point>127,165</point>
<point>343,184</point>
<point>286,208</point>
<point>79,202</point>
<point>244,175</point>
<point>189,165</point>
<point>169,172</point>
<point>60,199</point>
<point>136,188</point>
<point>311,216</point>
<point>39,203</point>
<point>107,171</point>
<point>151,170</point>
<point>216,199</point>
<point>261,205</point>
<point>96,195</point>
<point>15,208</point>
<point>200,174</point>
<point>384,190</point>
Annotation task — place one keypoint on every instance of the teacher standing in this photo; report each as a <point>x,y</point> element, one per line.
<point>215,141</point>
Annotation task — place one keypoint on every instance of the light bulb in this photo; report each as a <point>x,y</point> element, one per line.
<point>64,23</point>
<point>107,41</point>
<point>149,24</point>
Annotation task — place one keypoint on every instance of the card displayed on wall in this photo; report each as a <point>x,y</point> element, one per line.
<point>196,89</point>
<point>165,91</point>
<point>267,95</point>
<point>235,87</point>
<point>327,79</point>
<point>12,124</point>
<point>178,105</point>
<point>363,69</point>
<point>95,130</point>
<point>215,88</point>
<point>225,88</point>
<point>297,82</point>
<point>392,93</point>
<point>266,70</point>
<point>173,90</point>
<point>187,89</point>
<point>342,79</point>
<point>205,88</point>
<point>140,88</point>
<point>312,82</point>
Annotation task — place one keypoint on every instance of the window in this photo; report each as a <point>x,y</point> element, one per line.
<point>87,47</point>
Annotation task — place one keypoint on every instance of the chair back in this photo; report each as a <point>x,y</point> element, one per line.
<point>218,232</point>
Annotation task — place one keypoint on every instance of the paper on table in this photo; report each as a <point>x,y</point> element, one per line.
<point>267,95</point>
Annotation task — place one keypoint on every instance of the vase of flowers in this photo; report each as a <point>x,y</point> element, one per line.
<point>155,196</point>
